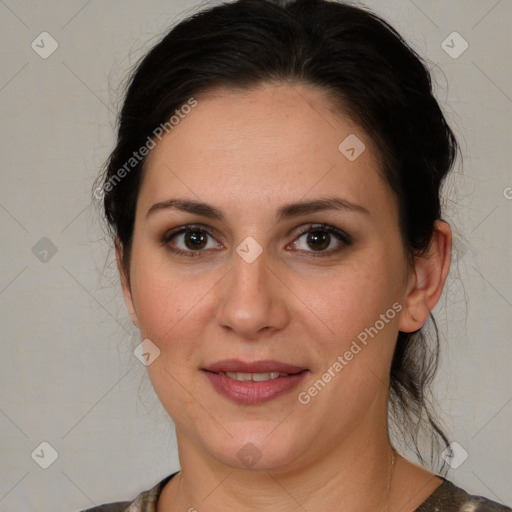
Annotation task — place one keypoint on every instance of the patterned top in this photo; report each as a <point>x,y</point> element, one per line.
<point>446,498</point>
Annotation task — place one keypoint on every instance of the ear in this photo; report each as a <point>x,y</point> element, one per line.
<point>427,279</point>
<point>125,282</point>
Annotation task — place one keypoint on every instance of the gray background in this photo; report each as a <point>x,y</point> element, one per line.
<point>68,376</point>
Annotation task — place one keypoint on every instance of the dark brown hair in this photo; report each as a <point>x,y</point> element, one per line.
<point>361,61</point>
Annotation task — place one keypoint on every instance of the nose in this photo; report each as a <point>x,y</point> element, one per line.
<point>252,299</point>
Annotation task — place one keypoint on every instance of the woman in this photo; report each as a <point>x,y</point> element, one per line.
<point>274,199</point>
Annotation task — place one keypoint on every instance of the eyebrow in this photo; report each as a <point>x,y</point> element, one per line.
<point>286,211</point>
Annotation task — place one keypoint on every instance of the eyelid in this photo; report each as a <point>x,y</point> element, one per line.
<point>343,238</point>
<point>187,227</point>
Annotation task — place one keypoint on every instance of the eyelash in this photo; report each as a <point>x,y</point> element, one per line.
<point>344,238</point>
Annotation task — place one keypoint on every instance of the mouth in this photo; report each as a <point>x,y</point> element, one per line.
<point>255,377</point>
<point>253,383</point>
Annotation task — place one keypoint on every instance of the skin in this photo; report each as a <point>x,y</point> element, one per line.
<point>248,153</point>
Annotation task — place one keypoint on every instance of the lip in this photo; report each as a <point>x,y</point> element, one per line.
<point>269,365</point>
<point>251,392</point>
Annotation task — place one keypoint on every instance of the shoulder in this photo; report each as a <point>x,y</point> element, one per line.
<point>450,498</point>
<point>119,506</point>
<point>144,502</point>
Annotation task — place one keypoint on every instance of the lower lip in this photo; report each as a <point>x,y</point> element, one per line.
<point>251,392</point>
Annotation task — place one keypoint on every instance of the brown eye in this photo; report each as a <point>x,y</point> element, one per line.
<point>190,241</point>
<point>322,239</point>
<point>318,240</point>
<point>195,240</point>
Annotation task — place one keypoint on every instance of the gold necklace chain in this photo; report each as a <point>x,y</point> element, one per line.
<point>391,475</point>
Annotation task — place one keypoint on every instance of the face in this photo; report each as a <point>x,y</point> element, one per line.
<point>257,241</point>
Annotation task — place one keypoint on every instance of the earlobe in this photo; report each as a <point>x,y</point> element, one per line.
<point>125,282</point>
<point>427,279</point>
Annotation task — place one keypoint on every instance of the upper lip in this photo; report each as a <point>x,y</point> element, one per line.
<point>263,366</point>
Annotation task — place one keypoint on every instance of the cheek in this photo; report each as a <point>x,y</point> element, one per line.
<point>170,312</point>
<point>163,296</point>
<point>355,296</point>
<point>171,309</point>
<point>359,310</point>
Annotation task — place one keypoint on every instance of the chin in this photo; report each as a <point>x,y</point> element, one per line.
<point>258,451</point>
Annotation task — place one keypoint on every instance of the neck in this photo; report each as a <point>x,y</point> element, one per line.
<point>356,473</point>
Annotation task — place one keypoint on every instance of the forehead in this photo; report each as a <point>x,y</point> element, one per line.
<point>271,142</point>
